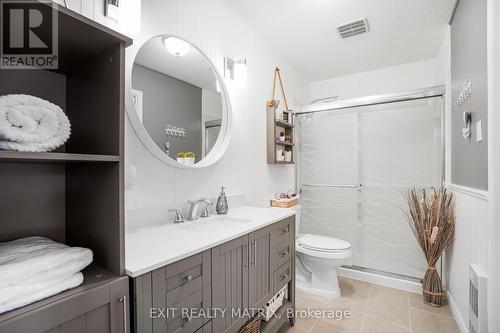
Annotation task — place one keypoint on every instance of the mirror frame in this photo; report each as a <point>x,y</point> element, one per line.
<point>224,137</point>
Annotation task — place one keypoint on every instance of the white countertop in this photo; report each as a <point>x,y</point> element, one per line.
<point>152,247</point>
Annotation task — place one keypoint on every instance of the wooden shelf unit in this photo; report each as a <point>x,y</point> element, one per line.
<point>286,144</point>
<point>75,194</point>
<point>94,276</point>
<point>274,126</point>
<point>283,124</point>
<point>21,157</point>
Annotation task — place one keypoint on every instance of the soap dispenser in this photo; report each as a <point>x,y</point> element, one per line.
<point>222,207</point>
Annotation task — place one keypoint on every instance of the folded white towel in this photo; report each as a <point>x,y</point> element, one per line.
<point>35,259</point>
<point>33,268</point>
<point>29,123</point>
<point>47,289</point>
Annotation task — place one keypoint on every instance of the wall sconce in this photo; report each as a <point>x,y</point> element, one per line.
<point>124,16</point>
<point>112,9</point>
<point>231,66</point>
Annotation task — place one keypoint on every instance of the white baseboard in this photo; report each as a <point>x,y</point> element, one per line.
<point>386,281</point>
<point>456,314</point>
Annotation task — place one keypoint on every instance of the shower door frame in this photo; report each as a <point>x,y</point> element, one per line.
<point>435,91</point>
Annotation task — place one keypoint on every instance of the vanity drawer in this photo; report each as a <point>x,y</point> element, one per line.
<point>183,271</point>
<point>181,322</point>
<point>187,276</point>
<point>285,229</point>
<point>284,252</point>
<point>282,276</point>
<point>165,289</point>
<point>185,290</point>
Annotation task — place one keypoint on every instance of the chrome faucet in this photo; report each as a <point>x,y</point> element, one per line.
<point>193,209</point>
<point>178,215</point>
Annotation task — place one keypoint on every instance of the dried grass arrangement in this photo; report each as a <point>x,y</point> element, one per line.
<point>432,220</point>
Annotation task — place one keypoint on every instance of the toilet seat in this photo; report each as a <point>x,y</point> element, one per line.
<point>323,243</point>
<point>323,247</point>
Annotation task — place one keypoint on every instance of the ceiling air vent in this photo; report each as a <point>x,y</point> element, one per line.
<point>353,28</point>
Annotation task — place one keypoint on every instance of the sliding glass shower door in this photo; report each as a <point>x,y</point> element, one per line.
<point>354,165</point>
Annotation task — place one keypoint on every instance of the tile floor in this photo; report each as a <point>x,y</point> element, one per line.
<point>373,309</point>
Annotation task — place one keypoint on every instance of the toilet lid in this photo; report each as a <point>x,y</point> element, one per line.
<point>323,243</point>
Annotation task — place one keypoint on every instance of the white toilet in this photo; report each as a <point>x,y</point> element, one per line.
<point>320,256</point>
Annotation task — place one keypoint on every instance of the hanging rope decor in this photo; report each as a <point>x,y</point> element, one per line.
<point>273,103</point>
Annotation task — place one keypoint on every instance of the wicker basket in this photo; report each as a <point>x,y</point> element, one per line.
<point>251,326</point>
<point>284,203</point>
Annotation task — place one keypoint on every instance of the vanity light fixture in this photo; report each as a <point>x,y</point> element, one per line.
<point>176,46</point>
<point>231,66</point>
<point>111,9</point>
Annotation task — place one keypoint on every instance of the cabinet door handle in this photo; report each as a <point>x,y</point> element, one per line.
<point>284,253</point>
<point>284,277</point>
<point>123,300</point>
<point>284,230</point>
<point>254,253</point>
<point>187,278</point>
<point>250,255</point>
<point>245,255</point>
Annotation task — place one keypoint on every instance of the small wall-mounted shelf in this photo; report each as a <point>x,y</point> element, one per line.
<point>283,124</point>
<point>286,144</point>
<point>274,127</point>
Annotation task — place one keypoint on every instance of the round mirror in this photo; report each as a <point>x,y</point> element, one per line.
<point>178,103</point>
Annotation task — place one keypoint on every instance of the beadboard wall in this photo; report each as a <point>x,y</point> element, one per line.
<point>211,26</point>
<point>471,245</point>
<point>472,230</point>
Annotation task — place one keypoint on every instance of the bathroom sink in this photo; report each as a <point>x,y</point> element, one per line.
<point>214,223</point>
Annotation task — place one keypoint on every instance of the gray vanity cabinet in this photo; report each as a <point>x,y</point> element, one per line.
<point>260,281</point>
<point>233,280</point>
<point>99,305</point>
<point>230,267</point>
<point>243,276</point>
<point>161,295</point>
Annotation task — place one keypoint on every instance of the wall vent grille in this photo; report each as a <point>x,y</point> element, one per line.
<point>478,322</point>
<point>353,28</point>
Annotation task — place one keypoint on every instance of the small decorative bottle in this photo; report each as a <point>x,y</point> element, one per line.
<point>222,206</point>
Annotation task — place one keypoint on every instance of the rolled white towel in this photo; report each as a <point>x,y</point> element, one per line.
<point>31,124</point>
